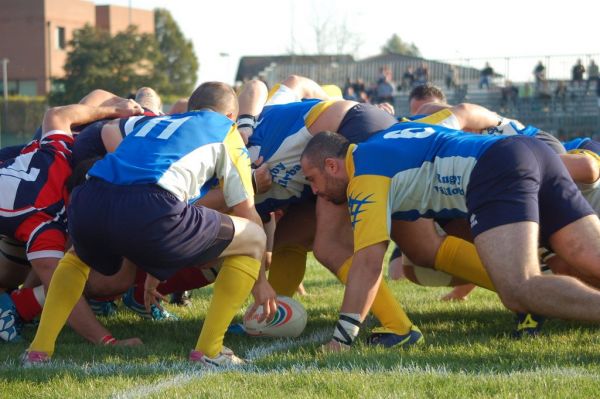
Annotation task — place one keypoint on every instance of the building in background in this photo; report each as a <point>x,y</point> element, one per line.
<point>34,37</point>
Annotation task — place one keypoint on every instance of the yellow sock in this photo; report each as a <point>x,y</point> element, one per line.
<point>459,258</point>
<point>64,291</point>
<point>286,272</point>
<point>232,286</point>
<point>385,307</point>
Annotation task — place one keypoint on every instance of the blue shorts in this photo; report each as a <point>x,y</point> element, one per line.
<point>520,179</point>
<point>364,120</point>
<point>591,145</point>
<point>551,141</point>
<point>145,224</point>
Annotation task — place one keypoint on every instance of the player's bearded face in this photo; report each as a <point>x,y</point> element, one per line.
<point>335,190</point>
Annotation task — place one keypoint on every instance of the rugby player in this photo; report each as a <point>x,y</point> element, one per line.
<point>280,134</point>
<point>140,198</point>
<point>508,199</point>
<point>34,195</point>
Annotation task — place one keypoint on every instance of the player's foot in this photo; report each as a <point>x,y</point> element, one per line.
<point>237,329</point>
<point>528,324</point>
<point>225,358</point>
<point>181,298</point>
<point>102,308</point>
<point>9,320</point>
<point>155,313</point>
<point>34,358</point>
<point>387,339</point>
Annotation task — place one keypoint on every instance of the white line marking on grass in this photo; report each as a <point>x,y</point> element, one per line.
<point>258,352</point>
<point>184,378</point>
<point>142,391</point>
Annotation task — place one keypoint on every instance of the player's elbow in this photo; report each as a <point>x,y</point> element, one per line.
<point>55,119</point>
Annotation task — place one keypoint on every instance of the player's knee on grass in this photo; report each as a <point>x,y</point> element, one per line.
<point>515,298</point>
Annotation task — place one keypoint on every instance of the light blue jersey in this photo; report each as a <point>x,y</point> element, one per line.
<point>181,153</point>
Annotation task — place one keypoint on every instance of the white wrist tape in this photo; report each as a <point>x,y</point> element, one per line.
<point>347,328</point>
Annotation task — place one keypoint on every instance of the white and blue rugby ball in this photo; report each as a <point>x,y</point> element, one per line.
<point>289,321</point>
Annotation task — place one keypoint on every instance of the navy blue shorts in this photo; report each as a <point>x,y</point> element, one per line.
<point>145,224</point>
<point>551,141</point>
<point>591,145</point>
<point>364,120</point>
<point>520,179</point>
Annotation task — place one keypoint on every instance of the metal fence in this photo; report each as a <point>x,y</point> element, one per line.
<point>516,69</point>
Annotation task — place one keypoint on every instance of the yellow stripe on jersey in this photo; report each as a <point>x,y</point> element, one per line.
<point>350,161</point>
<point>444,117</point>
<point>273,90</point>
<point>316,111</point>
<point>368,197</point>
<point>238,153</point>
<point>589,153</point>
<point>333,91</point>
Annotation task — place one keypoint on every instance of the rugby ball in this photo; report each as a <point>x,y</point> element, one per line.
<point>289,321</point>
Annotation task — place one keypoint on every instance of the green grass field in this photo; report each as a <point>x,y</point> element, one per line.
<point>467,354</point>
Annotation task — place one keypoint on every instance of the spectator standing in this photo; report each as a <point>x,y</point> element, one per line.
<point>539,73</point>
<point>509,96</point>
<point>577,73</point>
<point>593,74</point>
<point>486,75</point>
<point>451,77</point>
<point>422,74</point>
<point>598,91</point>
<point>408,78</point>
<point>385,87</point>
<point>560,95</point>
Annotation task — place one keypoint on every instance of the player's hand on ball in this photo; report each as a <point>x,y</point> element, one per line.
<point>334,346</point>
<point>129,342</point>
<point>151,294</point>
<point>264,295</point>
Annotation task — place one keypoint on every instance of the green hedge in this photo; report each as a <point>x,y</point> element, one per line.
<point>25,114</point>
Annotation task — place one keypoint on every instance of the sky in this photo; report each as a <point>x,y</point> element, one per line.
<point>223,31</point>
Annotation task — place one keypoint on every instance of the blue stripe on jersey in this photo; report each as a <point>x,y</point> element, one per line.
<point>408,145</point>
<point>575,143</point>
<point>529,131</point>
<point>147,153</point>
<point>277,122</point>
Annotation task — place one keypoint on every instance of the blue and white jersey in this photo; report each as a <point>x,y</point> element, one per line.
<point>182,153</point>
<point>280,136</point>
<point>408,171</point>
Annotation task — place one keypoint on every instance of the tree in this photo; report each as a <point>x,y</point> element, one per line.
<point>119,64</point>
<point>178,60</point>
<point>395,45</point>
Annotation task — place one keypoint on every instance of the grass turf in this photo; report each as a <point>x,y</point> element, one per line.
<point>468,353</point>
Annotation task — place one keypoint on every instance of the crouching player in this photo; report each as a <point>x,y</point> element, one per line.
<point>136,204</point>
<point>511,205</point>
